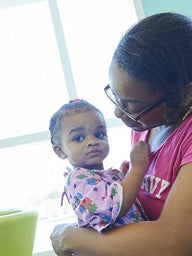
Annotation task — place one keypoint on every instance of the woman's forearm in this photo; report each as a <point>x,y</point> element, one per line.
<point>145,238</point>
<point>84,241</point>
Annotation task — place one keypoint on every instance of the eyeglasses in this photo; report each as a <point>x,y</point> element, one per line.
<point>134,118</point>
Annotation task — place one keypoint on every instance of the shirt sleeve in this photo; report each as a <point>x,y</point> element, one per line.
<point>96,197</point>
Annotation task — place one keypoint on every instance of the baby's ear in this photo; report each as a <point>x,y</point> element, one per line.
<point>59,151</point>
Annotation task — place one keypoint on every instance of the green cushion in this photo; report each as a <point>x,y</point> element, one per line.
<point>17,232</point>
<point>9,211</point>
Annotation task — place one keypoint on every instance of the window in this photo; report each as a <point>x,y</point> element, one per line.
<point>52,51</point>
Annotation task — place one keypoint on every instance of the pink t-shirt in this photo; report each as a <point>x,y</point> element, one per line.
<point>165,164</point>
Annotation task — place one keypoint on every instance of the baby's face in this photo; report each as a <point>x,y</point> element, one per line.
<point>84,139</point>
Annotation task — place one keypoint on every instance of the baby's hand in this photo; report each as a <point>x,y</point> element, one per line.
<point>140,155</point>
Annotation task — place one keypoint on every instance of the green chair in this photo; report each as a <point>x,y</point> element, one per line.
<point>17,232</point>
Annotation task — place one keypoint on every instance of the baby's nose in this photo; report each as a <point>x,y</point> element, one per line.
<point>92,142</point>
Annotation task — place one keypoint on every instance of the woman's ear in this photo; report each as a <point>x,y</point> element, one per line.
<point>59,151</point>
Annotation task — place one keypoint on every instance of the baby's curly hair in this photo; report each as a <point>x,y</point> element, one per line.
<point>74,106</point>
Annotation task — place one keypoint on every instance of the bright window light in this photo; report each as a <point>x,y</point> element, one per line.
<point>31,74</point>
<point>51,51</point>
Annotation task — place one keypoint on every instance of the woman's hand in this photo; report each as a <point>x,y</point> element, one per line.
<point>58,236</point>
<point>124,168</point>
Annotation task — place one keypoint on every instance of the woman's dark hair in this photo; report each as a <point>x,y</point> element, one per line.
<point>158,50</point>
<point>74,106</point>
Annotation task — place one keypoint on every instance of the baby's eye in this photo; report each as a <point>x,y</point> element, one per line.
<point>78,138</point>
<point>100,135</point>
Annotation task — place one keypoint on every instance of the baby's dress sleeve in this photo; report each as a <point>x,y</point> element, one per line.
<point>96,196</point>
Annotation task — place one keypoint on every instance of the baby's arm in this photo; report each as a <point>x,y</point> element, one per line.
<point>139,160</point>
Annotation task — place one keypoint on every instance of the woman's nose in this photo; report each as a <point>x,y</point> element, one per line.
<point>118,113</point>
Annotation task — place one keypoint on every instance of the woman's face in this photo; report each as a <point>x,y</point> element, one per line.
<point>135,96</point>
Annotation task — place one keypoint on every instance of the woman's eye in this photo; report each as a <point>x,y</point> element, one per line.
<point>78,138</point>
<point>135,112</point>
<point>130,108</point>
<point>124,105</point>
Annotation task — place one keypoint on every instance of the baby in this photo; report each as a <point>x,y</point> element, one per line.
<point>100,198</point>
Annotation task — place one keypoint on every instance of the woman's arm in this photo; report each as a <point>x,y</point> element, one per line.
<point>170,235</point>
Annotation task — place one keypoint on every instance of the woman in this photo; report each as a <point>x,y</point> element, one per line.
<point>150,82</point>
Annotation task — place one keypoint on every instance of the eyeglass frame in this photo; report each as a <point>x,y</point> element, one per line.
<point>130,115</point>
